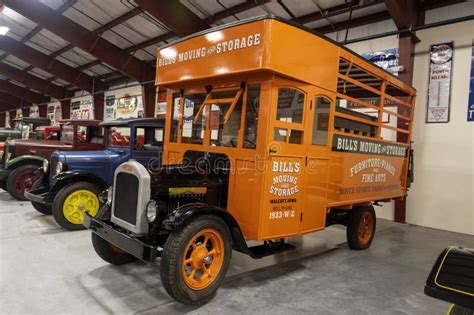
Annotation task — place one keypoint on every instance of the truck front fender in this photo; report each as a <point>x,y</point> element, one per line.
<point>67,177</point>
<point>182,215</point>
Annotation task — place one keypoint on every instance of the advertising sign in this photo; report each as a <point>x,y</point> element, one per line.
<point>386,59</point>
<point>470,105</point>
<point>54,112</point>
<point>7,120</point>
<point>82,108</point>
<point>439,86</point>
<point>123,104</point>
<point>34,111</point>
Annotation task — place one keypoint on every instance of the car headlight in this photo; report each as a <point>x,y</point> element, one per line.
<point>45,165</point>
<point>59,167</point>
<point>110,192</point>
<point>151,210</point>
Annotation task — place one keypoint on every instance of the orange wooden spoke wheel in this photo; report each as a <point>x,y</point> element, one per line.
<point>203,258</point>
<point>366,228</point>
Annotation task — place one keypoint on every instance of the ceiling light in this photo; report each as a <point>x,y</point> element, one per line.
<point>4,30</point>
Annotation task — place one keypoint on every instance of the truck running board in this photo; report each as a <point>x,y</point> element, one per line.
<point>270,248</point>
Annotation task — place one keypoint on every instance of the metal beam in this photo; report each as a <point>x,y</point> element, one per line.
<point>404,12</point>
<point>23,93</point>
<point>12,100</point>
<point>34,82</point>
<point>175,15</point>
<point>51,65</point>
<point>83,38</point>
<point>363,20</point>
<point>247,5</point>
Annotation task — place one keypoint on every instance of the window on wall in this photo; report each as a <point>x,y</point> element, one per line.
<point>321,120</point>
<point>290,108</point>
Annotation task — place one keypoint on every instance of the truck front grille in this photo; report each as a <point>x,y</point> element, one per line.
<point>126,197</point>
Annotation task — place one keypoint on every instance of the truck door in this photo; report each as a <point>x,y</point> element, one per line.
<point>317,164</point>
<point>148,146</point>
<point>284,173</point>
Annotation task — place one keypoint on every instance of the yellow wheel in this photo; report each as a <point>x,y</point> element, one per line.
<point>195,259</point>
<point>79,202</point>
<point>73,201</point>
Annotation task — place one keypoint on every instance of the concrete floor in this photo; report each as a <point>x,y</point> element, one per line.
<point>45,270</point>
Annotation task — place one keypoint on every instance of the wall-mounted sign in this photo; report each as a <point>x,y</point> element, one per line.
<point>19,113</point>
<point>439,86</point>
<point>7,120</point>
<point>470,105</point>
<point>124,103</point>
<point>385,59</point>
<point>82,108</point>
<point>34,111</point>
<point>54,113</point>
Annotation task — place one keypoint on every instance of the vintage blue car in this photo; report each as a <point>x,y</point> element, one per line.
<point>76,179</point>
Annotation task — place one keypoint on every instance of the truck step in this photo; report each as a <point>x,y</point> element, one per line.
<point>270,248</point>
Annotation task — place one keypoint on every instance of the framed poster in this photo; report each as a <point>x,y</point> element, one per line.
<point>439,83</point>
<point>470,104</point>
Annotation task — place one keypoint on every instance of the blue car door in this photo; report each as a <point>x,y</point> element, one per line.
<point>148,146</point>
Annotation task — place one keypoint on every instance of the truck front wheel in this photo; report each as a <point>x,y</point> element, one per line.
<point>195,259</point>
<point>72,201</point>
<point>110,253</point>
<point>21,179</point>
<point>361,227</point>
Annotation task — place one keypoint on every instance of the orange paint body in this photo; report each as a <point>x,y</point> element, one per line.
<point>286,185</point>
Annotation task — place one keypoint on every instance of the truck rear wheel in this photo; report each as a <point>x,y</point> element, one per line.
<point>43,208</point>
<point>195,260</point>
<point>72,201</point>
<point>21,179</point>
<point>361,227</point>
<point>110,253</point>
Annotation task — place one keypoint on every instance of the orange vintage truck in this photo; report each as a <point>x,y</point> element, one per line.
<point>272,131</point>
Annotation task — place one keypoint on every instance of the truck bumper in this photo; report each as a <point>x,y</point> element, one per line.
<point>40,195</point>
<point>126,242</point>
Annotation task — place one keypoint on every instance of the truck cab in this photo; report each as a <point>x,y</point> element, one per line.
<point>87,173</point>
<point>23,158</point>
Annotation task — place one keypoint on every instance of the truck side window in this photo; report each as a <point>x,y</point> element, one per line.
<point>290,108</point>
<point>290,105</point>
<point>193,132</point>
<point>175,117</point>
<point>321,120</point>
<point>251,116</point>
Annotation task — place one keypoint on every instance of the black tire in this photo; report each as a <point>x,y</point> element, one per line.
<point>63,194</point>
<point>356,240</point>
<point>43,208</point>
<point>110,253</point>
<point>460,310</point>
<point>3,185</point>
<point>177,246</point>
<point>16,176</point>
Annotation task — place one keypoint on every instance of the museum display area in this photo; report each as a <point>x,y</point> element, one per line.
<point>237,156</point>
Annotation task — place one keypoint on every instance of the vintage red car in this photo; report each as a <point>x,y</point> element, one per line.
<point>22,159</point>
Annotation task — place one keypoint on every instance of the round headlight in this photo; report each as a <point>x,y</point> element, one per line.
<point>59,167</point>
<point>45,165</point>
<point>151,210</point>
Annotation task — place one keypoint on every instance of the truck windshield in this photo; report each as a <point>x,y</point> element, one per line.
<point>119,136</point>
<point>217,116</point>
